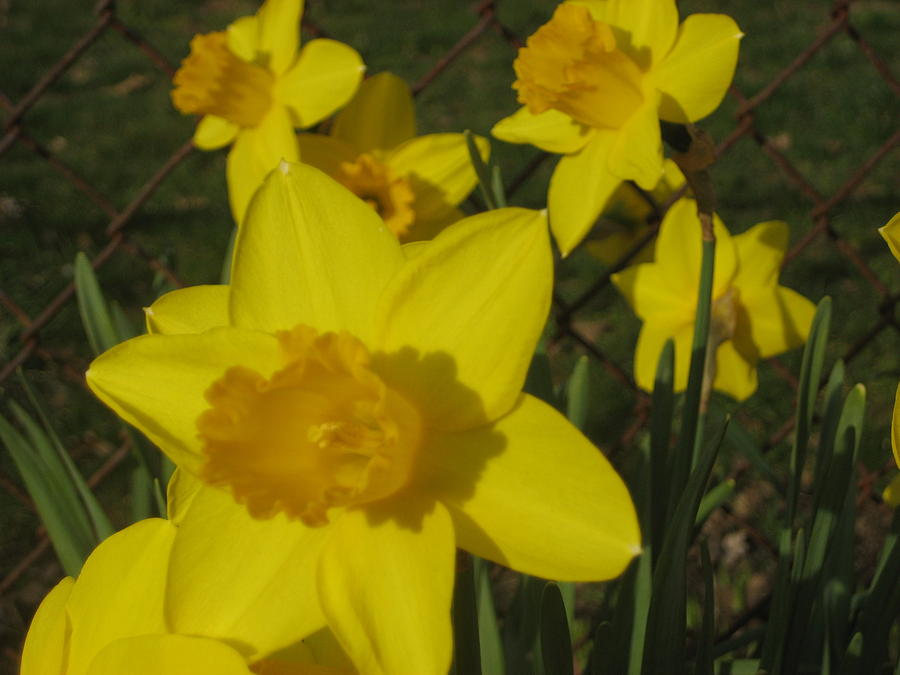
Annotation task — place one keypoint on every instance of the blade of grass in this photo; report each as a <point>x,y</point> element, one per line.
<point>704,664</point>
<point>661,414</point>
<point>92,306</point>
<point>488,628</point>
<point>485,181</point>
<point>466,649</point>
<point>556,641</point>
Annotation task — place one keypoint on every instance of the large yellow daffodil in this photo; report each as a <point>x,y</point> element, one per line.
<point>414,182</point>
<point>354,410</point>
<point>597,79</point>
<point>891,234</point>
<point>753,317</point>
<point>112,620</point>
<point>253,85</point>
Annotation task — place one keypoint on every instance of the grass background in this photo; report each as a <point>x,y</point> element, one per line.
<point>109,117</point>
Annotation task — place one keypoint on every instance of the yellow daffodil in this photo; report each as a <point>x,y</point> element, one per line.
<point>596,80</point>
<point>891,234</point>
<point>112,619</point>
<point>414,183</point>
<point>753,317</point>
<point>625,221</point>
<point>354,411</point>
<point>253,85</point>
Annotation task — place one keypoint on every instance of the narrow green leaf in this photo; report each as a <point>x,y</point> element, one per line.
<point>522,626</point>
<point>882,603</point>
<point>664,648</point>
<point>738,667</point>
<point>556,641</point>
<point>72,546</point>
<point>93,308</point>
<point>539,381</point>
<point>708,629</point>
<point>713,499</point>
<point>601,650</point>
<point>141,494</point>
<point>492,662</point>
<point>831,415</point>
<point>779,609</point>
<point>810,376</point>
<point>99,521</point>
<point>740,439</point>
<point>850,665</point>
<point>485,180</point>
<point>122,325</point>
<point>661,459</point>
<point>466,648</point>
<point>578,393</point>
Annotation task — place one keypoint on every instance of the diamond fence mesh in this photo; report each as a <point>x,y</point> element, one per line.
<point>38,323</point>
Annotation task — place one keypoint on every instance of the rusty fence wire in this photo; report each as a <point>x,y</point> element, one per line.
<point>27,349</point>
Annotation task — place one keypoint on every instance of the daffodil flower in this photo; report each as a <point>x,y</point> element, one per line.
<point>354,410</point>
<point>626,220</point>
<point>414,182</point>
<point>253,85</point>
<point>753,317</point>
<point>891,234</point>
<point>112,619</point>
<point>596,80</point>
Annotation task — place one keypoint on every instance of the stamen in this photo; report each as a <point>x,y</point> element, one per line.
<point>391,196</point>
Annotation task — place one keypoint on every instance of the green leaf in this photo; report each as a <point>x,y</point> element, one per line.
<point>850,665</point>
<point>708,629</point>
<point>578,393</point>
<point>810,376</point>
<point>882,603</point>
<point>539,381</point>
<point>492,662</point>
<point>497,187</point>
<point>485,180</point>
<point>556,642</point>
<point>71,543</point>
<point>522,626</point>
<point>660,494</point>
<point>466,649</point>
<point>93,308</point>
<point>713,499</point>
<point>664,649</point>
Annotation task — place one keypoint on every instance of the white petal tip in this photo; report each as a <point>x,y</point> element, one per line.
<point>148,311</point>
<point>284,167</point>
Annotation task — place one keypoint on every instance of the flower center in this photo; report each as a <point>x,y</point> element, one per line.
<point>214,81</point>
<point>374,182</point>
<point>572,64</point>
<point>322,432</point>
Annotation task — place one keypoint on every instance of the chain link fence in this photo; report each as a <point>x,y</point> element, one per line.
<point>25,324</point>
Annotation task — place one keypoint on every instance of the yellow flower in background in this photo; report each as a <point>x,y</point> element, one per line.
<point>596,80</point>
<point>753,317</point>
<point>414,182</point>
<point>253,85</point>
<point>112,620</point>
<point>891,234</point>
<point>625,221</point>
<point>354,410</point>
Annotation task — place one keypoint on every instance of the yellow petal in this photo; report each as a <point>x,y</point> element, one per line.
<point>242,38</point>
<point>579,190</point>
<point>891,495</point>
<point>552,130</point>
<point>651,340</point>
<point>214,132</point>
<point>168,655</point>
<point>120,590</point>
<point>386,582</point>
<point>439,169</point>
<point>891,234</point>
<point>779,319</point>
<point>279,33</point>
<point>735,371</point>
<point>255,153</point>
<point>636,154</point>
<point>324,78</point>
<point>895,427</point>
<point>157,382</point>
<point>310,252</point>
<point>325,153</point>
<point>46,644</point>
<point>180,493</point>
<point>760,250</point>
<point>265,567</point>
<point>379,117</point>
<point>650,295</point>
<point>462,356</point>
<point>189,310</point>
<point>679,251</point>
<point>695,75</point>
<point>644,29</point>
<point>532,493</point>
